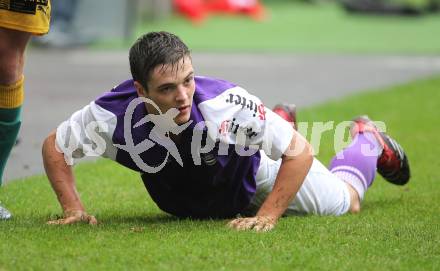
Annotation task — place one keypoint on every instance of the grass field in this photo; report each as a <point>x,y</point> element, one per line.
<point>307,28</point>
<point>398,229</point>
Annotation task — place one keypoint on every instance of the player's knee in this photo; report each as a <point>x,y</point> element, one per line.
<point>355,202</point>
<point>10,71</point>
<point>355,208</point>
<point>11,65</point>
<point>12,50</point>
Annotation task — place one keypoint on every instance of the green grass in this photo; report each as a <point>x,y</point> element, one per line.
<point>306,28</point>
<point>398,229</point>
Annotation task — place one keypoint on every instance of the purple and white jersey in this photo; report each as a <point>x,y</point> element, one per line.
<point>209,172</point>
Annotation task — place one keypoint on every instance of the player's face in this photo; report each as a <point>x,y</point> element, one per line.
<point>172,86</point>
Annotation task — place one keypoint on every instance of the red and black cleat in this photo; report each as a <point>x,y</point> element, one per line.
<point>287,112</point>
<point>393,163</point>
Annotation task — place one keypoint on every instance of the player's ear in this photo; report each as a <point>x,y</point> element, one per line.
<point>141,91</point>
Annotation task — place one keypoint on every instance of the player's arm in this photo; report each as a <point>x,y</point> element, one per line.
<point>62,180</point>
<point>73,139</point>
<point>258,127</point>
<point>295,165</point>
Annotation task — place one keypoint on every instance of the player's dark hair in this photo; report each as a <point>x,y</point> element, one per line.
<point>153,49</point>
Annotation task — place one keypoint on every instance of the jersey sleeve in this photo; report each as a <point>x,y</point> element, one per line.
<point>242,119</point>
<point>87,133</point>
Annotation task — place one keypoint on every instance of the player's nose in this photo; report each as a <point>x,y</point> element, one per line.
<point>182,93</point>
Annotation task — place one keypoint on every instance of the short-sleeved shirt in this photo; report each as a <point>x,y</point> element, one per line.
<point>26,16</point>
<point>213,172</point>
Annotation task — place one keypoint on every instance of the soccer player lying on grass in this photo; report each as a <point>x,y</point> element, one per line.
<point>206,148</point>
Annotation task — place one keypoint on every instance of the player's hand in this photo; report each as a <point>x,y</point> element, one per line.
<point>257,223</point>
<point>71,217</point>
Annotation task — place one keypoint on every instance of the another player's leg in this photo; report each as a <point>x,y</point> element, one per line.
<point>12,50</point>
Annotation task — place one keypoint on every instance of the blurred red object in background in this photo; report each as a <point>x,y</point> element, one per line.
<point>197,10</point>
<point>192,9</point>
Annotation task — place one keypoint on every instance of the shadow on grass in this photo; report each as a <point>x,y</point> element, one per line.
<point>157,219</point>
<point>150,219</point>
<point>383,203</point>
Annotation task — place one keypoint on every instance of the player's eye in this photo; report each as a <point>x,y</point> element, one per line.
<point>189,80</point>
<point>166,89</point>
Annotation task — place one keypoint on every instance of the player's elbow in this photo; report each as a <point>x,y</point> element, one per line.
<point>299,148</point>
<point>308,150</point>
<point>48,147</point>
<point>48,142</point>
<point>308,155</point>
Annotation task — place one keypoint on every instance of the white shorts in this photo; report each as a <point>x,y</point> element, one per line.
<point>322,192</point>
